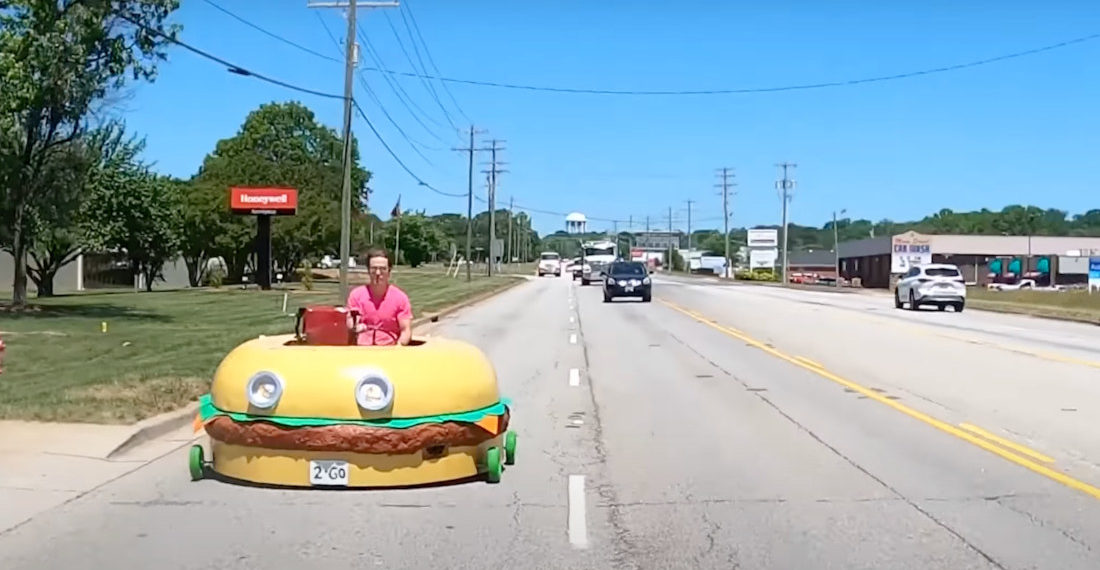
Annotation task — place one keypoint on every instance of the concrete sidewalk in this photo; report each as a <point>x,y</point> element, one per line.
<point>45,465</point>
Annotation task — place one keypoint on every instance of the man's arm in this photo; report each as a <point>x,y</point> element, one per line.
<point>404,319</point>
<point>406,331</point>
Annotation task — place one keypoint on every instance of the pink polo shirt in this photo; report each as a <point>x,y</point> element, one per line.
<point>380,313</point>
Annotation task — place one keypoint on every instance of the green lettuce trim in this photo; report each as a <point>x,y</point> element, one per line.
<point>207,410</point>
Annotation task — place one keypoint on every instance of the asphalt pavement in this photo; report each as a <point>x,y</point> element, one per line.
<point>715,427</point>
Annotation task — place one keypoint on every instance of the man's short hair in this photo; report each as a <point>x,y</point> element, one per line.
<point>378,252</point>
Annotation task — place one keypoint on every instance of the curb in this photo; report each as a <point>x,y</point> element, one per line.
<point>434,317</point>
<point>156,426</point>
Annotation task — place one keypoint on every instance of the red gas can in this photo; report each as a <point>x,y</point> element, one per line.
<point>324,325</point>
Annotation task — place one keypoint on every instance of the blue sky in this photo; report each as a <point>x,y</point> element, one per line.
<point>1023,130</point>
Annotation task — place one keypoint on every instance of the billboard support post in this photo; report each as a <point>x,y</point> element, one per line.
<point>264,203</point>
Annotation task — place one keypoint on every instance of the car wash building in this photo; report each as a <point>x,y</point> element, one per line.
<point>877,262</point>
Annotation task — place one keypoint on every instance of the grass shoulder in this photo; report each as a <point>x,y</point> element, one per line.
<point>160,348</point>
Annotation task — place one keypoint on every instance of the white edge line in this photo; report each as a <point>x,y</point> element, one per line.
<point>572,339</point>
<point>578,527</point>
<point>574,377</point>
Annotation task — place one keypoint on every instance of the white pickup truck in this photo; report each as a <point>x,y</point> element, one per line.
<point>549,263</point>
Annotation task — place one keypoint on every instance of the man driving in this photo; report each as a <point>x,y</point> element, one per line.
<point>385,313</point>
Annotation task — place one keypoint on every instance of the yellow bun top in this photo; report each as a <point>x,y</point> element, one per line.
<point>440,376</point>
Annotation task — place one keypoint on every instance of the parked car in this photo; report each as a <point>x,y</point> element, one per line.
<point>938,284</point>
<point>627,279</point>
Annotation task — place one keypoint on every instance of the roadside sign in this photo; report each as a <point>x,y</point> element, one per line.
<point>763,238</point>
<point>1094,273</point>
<point>909,249</point>
<point>263,201</point>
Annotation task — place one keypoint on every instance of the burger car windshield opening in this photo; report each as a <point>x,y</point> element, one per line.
<point>313,408</point>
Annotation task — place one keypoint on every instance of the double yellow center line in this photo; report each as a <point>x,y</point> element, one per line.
<point>1019,455</point>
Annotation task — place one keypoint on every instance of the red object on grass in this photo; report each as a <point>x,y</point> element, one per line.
<point>324,325</point>
<point>1,355</point>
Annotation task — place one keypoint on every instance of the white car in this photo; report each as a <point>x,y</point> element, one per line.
<point>549,263</point>
<point>938,284</point>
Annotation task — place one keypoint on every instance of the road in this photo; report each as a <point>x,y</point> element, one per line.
<point>716,427</point>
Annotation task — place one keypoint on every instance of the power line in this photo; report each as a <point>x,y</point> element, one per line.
<point>419,181</point>
<point>272,34</point>
<point>431,60</point>
<point>370,92</point>
<point>427,84</point>
<point>747,90</point>
<point>732,91</point>
<point>233,68</point>
<point>402,95</point>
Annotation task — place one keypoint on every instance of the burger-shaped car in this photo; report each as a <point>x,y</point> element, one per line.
<point>292,410</point>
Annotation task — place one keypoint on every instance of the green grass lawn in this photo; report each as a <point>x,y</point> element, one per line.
<point>1073,305</point>
<point>160,348</point>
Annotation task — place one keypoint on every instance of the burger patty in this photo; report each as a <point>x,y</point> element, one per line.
<point>349,437</point>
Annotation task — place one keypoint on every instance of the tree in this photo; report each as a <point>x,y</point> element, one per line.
<point>71,174</point>
<point>279,144</point>
<point>137,212</point>
<point>57,60</point>
<point>420,238</point>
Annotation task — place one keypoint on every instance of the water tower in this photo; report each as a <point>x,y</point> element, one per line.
<point>576,223</point>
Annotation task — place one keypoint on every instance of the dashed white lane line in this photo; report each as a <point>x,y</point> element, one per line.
<point>578,526</point>
<point>574,377</point>
<point>572,339</point>
<point>572,319</point>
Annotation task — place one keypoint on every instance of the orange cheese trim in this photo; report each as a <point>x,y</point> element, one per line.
<point>490,424</point>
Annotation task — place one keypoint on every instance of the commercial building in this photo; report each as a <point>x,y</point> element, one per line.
<point>653,247</point>
<point>876,262</point>
<point>93,271</point>
<point>812,265</point>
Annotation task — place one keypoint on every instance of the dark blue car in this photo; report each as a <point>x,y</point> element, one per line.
<point>627,279</point>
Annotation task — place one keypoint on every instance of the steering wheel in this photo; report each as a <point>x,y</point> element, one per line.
<point>375,330</point>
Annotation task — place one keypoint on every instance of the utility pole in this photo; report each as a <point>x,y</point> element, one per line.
<point>725,173</point>
<point>470,198</point>
<point>785,185</point>
<point>491,175</point>
<point>647,224</point>
<point>510,252</point>
<point>687,262</point>
<point>350,60</point>
<point>670,239</point>
<point>836,246</point>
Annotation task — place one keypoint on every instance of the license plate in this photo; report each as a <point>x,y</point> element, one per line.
<point>328,473</point>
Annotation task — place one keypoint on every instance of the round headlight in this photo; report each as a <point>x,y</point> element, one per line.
<point>264,389</point>
<point>374,392</point>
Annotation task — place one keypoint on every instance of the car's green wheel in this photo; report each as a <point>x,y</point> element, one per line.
<point>196,463</point>
<point>510,448</point>
<point>493,465</point>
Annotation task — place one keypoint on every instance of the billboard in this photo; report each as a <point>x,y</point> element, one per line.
<point>656,240</point>
<point>1094,273</point>
<point>263,201</point>
<point>763,258</point>
<point>909,249</point>
<point>763,238</point>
